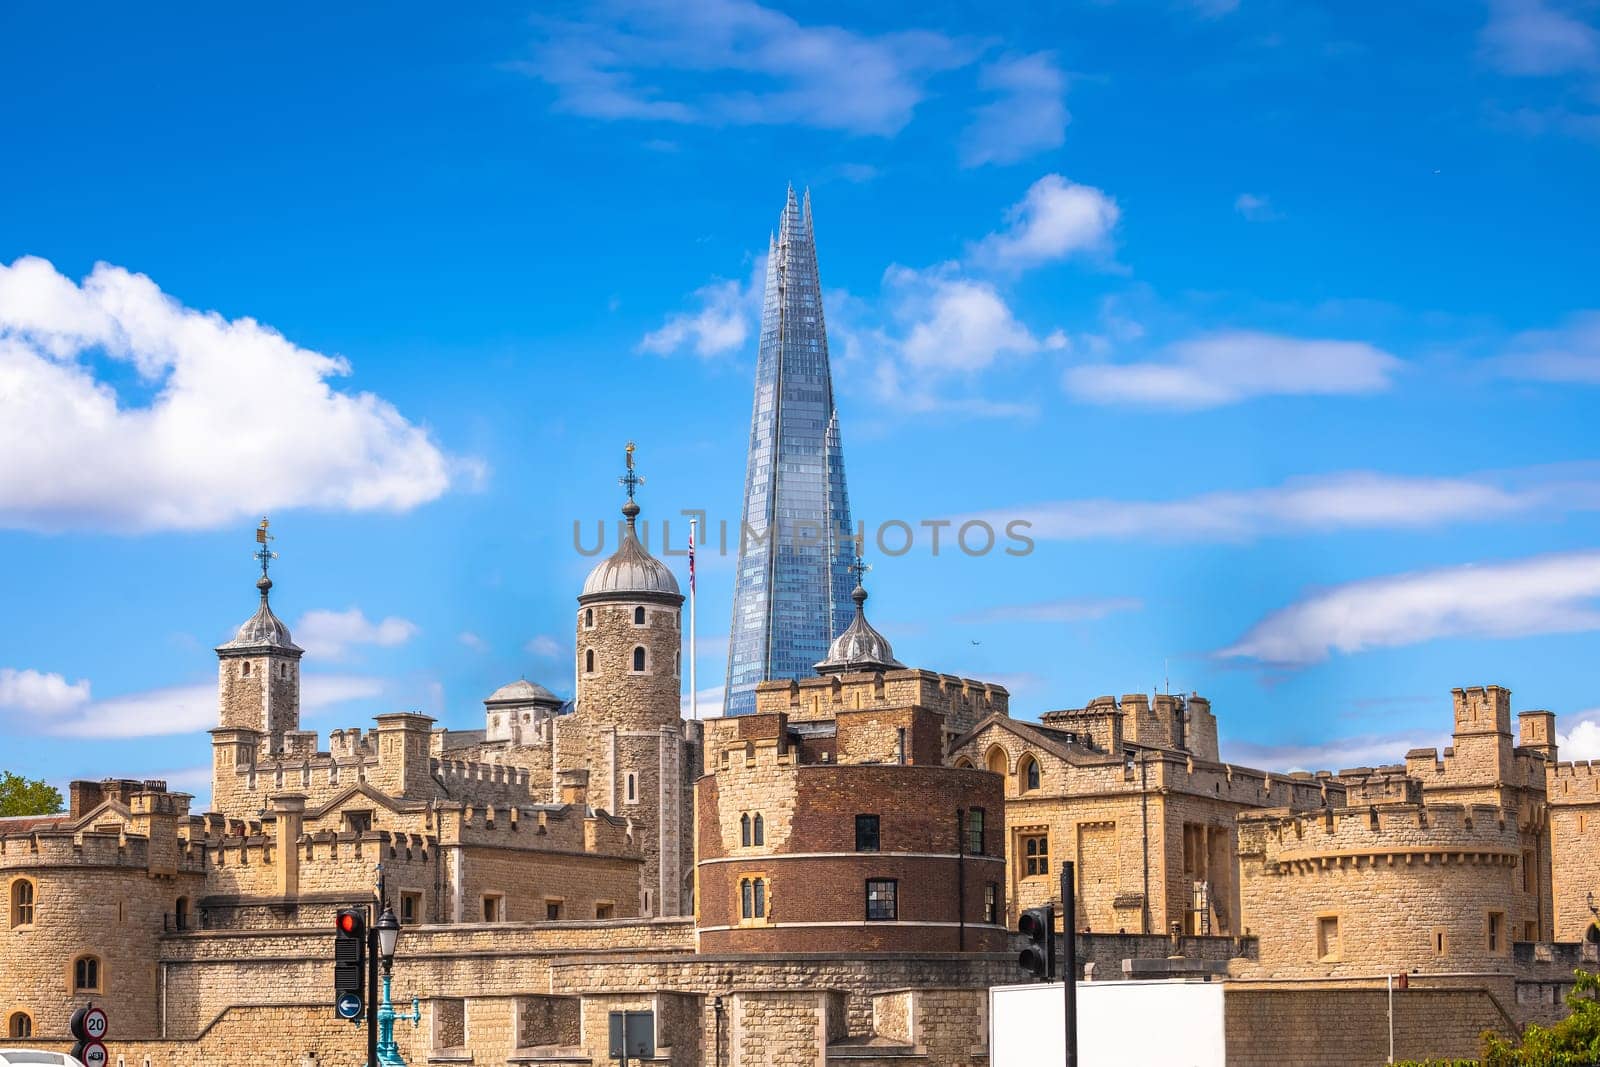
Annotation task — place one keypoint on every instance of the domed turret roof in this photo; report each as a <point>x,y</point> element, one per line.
<point>262,631</point>
<point>522,691</point>
<point>860,647</point>
<point>631,573</point>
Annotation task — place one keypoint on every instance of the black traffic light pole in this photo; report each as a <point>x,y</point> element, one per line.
<point>1069,959</point>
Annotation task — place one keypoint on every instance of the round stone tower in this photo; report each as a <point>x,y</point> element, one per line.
<point>630,637</point>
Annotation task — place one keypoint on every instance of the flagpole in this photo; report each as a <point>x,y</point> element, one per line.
<point>694,692</point>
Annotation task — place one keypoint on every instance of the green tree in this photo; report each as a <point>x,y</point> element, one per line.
<point>25,796</point>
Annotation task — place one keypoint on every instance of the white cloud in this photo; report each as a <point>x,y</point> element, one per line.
<point>734,62</point>
<point>958,324</point>
<point>1534,38</point>
<point>1070,609</point>
<point>190,708</point>
<point>1366,750</point>
<point>708,703</point>
<point>472,641</point>
<point>720,324</point>
<point>1568,353</point>
<point>1230,367</point>
<point>1582,739</point>
<point>1030,115</point>
<point>240,419</point>
<point>36,693</point>
<point>1346,500</point>
<point>1057,218</point>
<point>330,634</point>
<point>544,645</point>
<point>1540,595</point>
<point>1256,208</point>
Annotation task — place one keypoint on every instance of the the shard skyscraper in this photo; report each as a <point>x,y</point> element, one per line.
<point>792,589</point>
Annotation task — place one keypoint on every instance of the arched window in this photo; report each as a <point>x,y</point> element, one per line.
<point>246,668</point>
<point>86,974</point>
<point>761,898</point>
<point>19,1025</point>
<point>638,616</point>
<point>588,661</point>
<point>1028,774</point>
<point>996,760</point>
<point>744,829</point>
<point>760,827</point>
<point>588,618</point>
<point>22,902</point>
<point>964,763</point>
<point>638,658</point>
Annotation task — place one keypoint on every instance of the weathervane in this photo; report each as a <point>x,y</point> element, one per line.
<point>633,479</point>
<point>860,568</point>
<point>264,554</point>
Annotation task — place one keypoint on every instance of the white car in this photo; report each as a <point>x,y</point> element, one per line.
<point>36,1058</point>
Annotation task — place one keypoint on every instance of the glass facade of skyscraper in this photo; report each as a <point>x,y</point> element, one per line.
<point>792,587</point>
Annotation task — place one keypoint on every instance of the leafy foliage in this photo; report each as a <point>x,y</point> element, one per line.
<point>25,796</point>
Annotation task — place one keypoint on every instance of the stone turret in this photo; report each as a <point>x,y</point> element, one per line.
<point>258,691</point>
<point>258,672</point>
<point>630,636</point>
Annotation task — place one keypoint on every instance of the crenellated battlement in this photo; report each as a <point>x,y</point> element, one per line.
<point>962,701</point>
<point>1380,785</point>
<point>1396,833</point>
<point>1166,721</point>
<point>496,777</point>
<point>1576,782</point>
<point>537,827</point>
<point>91,848</point>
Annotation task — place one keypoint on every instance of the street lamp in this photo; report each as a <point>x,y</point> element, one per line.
<point>388,936</point>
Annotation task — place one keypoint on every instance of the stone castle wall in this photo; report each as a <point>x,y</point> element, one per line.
<point>1574,795</point>
<point>1380,889</point>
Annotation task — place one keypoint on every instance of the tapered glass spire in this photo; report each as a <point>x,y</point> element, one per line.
<point>792,589</point>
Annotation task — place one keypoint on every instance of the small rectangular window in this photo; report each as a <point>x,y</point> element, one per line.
<point>493,909</point>
<point>881,899</point>
<point>975,832</point>
<point>991,903</point>
<point>1496,931</point>
<point>552,910</point>
<point>866,833</point>
<point>1441,941</point>
<point>1328,938</point>
<point>410,908</point>
<point>604,910</point>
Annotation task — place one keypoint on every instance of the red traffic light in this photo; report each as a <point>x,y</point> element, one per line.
<point>350,924</point>
<point>1032,924</point>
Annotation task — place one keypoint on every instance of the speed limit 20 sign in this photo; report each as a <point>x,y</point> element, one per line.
<point>89,1025</point>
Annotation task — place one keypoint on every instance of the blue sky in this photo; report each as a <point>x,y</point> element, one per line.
<point>1277,321</point>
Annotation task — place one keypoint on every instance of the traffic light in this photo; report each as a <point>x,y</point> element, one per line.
<point>1038,958</point>
<point>350,953</point>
